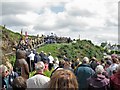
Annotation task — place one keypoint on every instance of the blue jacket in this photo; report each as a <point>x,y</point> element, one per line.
<point>83,72</point>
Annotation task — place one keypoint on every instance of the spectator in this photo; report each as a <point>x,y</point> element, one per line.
<point>115,80</point>
<point>56,63</point>
<point>113,66</point>
<point>51,59</point>
<point>12,74</point>
<point>63,80</point>
<point>108,67</point>
<point>67,65</point>
<point>46,59</point>
<point>39,79</point>
<point>46,65</point>
<point>32,65</point>
<point>61,66</point>
<point>93,63</point>
<point>4,76</point>
<point>37,58</point>
<point>19,83</point>
<point>83,72</point>
<point>102,62</point>
<point>42,55</point>
<point>98,81</point>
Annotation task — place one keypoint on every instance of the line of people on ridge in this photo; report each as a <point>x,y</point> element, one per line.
<point>85,74</point>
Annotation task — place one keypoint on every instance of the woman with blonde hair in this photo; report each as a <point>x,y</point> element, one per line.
<point>63,79</point>
<point>12,74</point>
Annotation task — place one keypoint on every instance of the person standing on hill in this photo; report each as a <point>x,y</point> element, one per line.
<point>51,59</point>
<point>32,65</point>
<point>42,55</point>
<point>37,57</point>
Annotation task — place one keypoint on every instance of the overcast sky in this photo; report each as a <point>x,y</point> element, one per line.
<point>95,20</point>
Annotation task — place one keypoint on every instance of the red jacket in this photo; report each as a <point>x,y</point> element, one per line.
<point>115,81</point>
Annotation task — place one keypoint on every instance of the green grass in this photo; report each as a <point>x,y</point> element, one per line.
<point>46,73</point>
<point>12,59</point>
<point>53,48</point>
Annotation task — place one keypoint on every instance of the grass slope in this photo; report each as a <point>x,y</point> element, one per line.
<point>79,49</point>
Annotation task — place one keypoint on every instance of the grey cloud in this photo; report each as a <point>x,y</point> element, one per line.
<point>77,29</point>
<point>13,8</point>
<point>110,23</point>
<point>70,22</point>
<point>13,21</point>
<point>41,27</point>
<point>102,38</point>
<point>82,13</point>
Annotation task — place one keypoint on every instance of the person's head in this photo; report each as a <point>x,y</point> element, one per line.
<point>61,63</point>
<point>108,62</point>
<point>3,70</point>
<point>63,79</point>
<point>42,51</point>
<point>49,53</point>
<point>31,51</point>
<point>115,60</point>
<point>113,56</point>
<point>9,66</point>
<point>19,83</point>
<point>102,61</point>
<point>45,54</point>
<point>93,59</point>
<point>99,69</point>
<point>66,64</point>
<point>39,67</point>
<point>85,60</point>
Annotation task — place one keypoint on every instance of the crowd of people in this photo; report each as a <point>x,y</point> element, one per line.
<point>84,74</point>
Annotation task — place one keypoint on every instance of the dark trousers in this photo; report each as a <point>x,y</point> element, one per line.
<point>32,65</point>
<point>50,66</point>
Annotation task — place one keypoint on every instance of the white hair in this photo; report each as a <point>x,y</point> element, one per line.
<point>85,60</point>
<point>39,66</point>
<point>3,68</point>
<point>99,69</point>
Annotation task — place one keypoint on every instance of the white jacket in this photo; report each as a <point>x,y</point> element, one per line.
<point>37,81</point>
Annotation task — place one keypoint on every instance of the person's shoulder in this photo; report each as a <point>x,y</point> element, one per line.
<point>39,76</point>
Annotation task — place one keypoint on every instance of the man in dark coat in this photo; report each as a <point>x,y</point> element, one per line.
<point>83,72</point>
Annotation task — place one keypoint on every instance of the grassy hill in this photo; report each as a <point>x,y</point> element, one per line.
<point>79,49</point>
<point>72,50</point>
<point>8,39</point>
